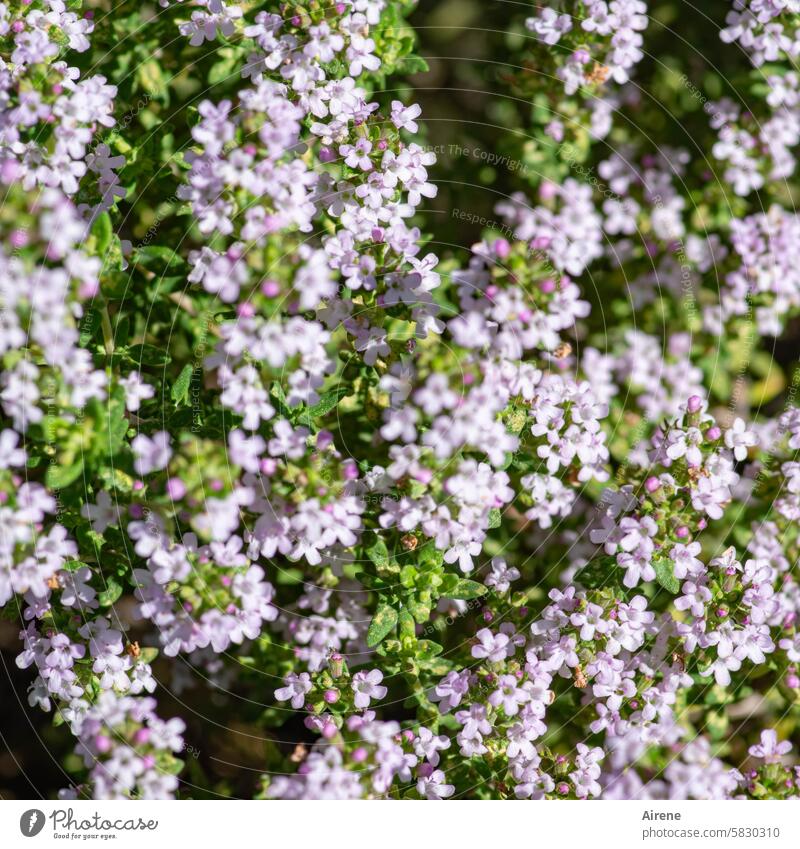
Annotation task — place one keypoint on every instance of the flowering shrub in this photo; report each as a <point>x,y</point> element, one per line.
<point>288,483</point>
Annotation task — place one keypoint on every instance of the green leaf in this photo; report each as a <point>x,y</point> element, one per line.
<point>155,256</point>
<point>407,624</point>
<point>88,327</point>
<point>378,553</point>
<point>326,403</point>
<point>413,65</point>
<point>102,232</point>
<point>58,477</point>
<point>170,764</point>
<point>429,556</point>
<point>148,355</point>
<point>110,594</point>
<point>426,649</point>
<point>382,623</point>
<point>151,78</point>
<point>665,575</point>
<point>112,424</point>
<point>180,389</point>
<point>419,610</point>
<point>462,588</point>
<point>279,396</point>
<point>494,518</point>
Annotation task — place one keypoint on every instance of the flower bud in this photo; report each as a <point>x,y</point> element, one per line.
<point>102,743</point>
<point>501,248</point>
<point>336,665</point>
<point>359,755</point>
<point>142,736</point>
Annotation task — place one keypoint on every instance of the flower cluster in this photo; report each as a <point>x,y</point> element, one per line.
<point>605,41</point>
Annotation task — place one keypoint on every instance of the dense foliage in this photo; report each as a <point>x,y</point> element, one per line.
<point>301,482</point>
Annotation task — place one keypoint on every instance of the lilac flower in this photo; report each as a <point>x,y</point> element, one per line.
<point>493,647</point>
<point>739,439</point>
<point>433,786</point>
<point>151,454</point>
<point>501,576</point>
<point>295,690</point>
<point>102,514</point>
<point>367,686</point>
<point>769,749</point>
<point>136,391</point>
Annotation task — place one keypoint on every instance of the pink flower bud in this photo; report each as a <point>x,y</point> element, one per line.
<point>336,665</point>
<point>102,743</point>
<point>423,475</point>
<point>142,736</point>
<point>547,191</point>
<point>501,248</point>
<point>270,288</point>
<point>652,484</point>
